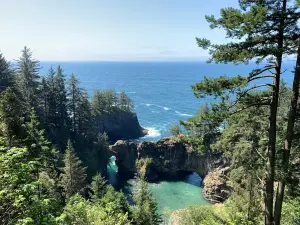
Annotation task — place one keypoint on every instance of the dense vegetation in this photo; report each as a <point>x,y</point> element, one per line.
<point>51,159</point>
<point>255,117</point>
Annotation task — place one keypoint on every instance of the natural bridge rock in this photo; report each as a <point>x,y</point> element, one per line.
<point>167,156</point>
<point>170,156</point>
<point>126,155</point>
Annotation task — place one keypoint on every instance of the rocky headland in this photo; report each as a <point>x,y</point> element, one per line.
<point>119,126</point>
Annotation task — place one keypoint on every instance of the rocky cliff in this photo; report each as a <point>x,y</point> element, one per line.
<point>170,156</point>
<point>121,125</point>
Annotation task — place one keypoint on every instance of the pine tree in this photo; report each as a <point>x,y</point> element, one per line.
<point>145,208</point>
<point>59,109</point>
<point>73,178</point>
<point>74,94</point>
<point>125,103</point>
<point>39,148</point>
<point>61,97</point>
<point>6,76</point>
<point>266,30</point>
<point>98,187</point>
<point>10,116</point>
<point>84,114</point>
<point>27,71</point>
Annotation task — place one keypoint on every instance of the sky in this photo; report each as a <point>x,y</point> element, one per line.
<point>110,30</point>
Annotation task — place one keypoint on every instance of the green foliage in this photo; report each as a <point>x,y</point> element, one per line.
<point>10,116</point>
<point>175,130</point>
<point>109,102</point>
<point>144,211</point>
<point>80,211</point>
<point>73,178</point>
<point>6,74</point>
<point>143,166</point>
<point>204,215</point>
<point>28,76</point>
<point>98,187</point>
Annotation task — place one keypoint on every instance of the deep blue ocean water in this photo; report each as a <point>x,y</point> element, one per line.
<point>161,91</point>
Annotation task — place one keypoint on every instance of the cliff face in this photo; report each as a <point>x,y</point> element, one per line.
<point>165,156</point>
<point>121,125</point>
<point>126,155</point>
<point>171,156</point>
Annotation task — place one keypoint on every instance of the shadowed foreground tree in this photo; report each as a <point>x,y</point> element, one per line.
<point>264,31</point>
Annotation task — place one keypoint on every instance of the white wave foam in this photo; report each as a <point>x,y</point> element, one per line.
<point>166,108</point>
<point>148,104</point>
<point>183,114</point>
<point>152,132</point>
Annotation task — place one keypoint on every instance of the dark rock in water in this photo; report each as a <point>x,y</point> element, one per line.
<point>126,155</point>
<point>121,125</point>
<point>168,157</point>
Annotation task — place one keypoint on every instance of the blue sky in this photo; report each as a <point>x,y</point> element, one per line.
<point>65,30</point>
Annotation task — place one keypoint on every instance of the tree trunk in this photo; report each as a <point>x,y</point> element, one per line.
<point>271,153</point>
<point>288,142</point>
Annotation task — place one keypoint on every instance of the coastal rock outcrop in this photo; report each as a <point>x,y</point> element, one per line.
<point>170,156</point>
<point>126,155</point>
<point>120,126</point>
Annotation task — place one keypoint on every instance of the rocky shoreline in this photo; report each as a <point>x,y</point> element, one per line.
<point>169,156</point>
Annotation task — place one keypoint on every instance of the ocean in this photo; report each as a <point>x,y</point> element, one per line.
<point>162,95</point>
<point>161,91</point>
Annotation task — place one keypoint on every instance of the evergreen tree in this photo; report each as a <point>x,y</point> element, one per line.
<point>290,130</point>
<point>39,148</point>
<point>175,130</point>
<point>125,103</point>
<point>98,103</point>
<point>6,76</point>
<point>61,98</point>
<point>98,187</point>
<point>145,209</point>
<point>74,97</point>
<point>73,178</point>
<point>27,71</point>
<point>10,116</point>
<point>266,30</point>
<point>59,110</point>
<point>84,114</point>
<point>44,102</point>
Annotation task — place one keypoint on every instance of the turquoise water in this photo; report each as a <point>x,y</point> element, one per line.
<point>169,195</point>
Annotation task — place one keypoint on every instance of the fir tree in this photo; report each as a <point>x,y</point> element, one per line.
<point>27,71</point>
<point>145,209</point>
<point>6,76</point>
<point>98,187</point>
<point>124,102</point>
<point>74,94</point>
<point>73,178</point>
<point>10,116</point>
